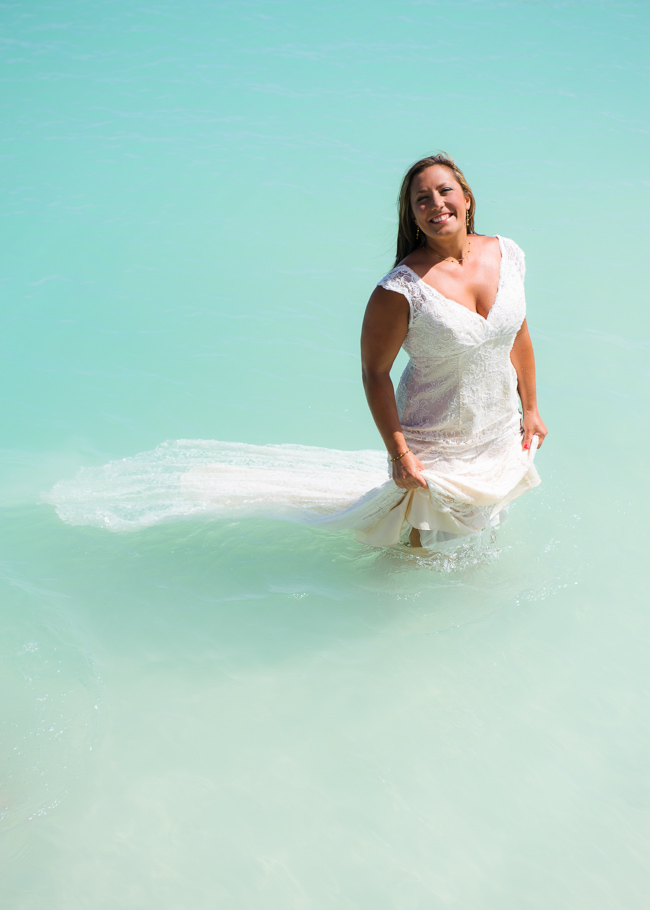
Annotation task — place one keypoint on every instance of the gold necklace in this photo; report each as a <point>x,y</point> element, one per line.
<point>453,258</point>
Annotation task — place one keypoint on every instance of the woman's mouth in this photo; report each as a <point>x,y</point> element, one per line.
<point>440,219</point>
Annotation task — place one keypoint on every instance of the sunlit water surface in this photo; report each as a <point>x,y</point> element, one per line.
<point>208,713</point>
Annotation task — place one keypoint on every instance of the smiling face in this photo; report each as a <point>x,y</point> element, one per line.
<point>438,202</point>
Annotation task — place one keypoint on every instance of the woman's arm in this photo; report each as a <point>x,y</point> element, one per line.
<point>384,329</point>
<point>523,360</point>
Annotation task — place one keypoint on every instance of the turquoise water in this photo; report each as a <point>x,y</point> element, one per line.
<point>197,201</point>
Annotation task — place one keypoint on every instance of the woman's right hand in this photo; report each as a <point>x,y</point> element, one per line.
<point>407,472</point>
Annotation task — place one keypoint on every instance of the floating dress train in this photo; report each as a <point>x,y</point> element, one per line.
<point>458,406</point>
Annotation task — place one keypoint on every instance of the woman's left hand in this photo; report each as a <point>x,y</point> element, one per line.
<point>533,426</point>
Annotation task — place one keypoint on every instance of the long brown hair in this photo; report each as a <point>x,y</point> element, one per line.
<point>406,228</point>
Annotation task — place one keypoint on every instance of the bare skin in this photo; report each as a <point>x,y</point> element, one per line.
<point>439,206</point>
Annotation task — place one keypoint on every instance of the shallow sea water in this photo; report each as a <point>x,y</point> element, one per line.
<point>251,714</point>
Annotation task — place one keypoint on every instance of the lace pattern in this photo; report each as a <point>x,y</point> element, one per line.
<point>459,388</point>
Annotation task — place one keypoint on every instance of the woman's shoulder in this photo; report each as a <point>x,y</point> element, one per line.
<point>415,262</point>
<point>509,242</point>
<point>508,248</point>
<point>482,241</point>
<point>514,252</point>
<point>400,278</point>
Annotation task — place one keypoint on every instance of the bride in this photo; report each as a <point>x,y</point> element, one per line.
<point>458,450</point>
<point>455,302</point>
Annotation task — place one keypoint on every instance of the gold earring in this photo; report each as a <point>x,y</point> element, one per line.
<point>467,218</point>
<point>417,233</point>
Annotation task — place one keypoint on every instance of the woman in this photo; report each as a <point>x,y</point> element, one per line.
<point>455,302</point>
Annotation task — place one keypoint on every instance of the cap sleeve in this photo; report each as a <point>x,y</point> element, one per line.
<point>400,281</point>
<point>517,256</point>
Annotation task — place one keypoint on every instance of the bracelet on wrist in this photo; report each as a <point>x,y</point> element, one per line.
<point>401,455</point>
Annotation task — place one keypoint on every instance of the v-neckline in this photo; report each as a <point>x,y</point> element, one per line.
<point>430,287</point>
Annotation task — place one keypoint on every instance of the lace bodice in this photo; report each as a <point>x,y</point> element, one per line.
<point>459,388</point>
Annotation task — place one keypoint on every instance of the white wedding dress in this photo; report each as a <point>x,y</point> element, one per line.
<point>458,406</point>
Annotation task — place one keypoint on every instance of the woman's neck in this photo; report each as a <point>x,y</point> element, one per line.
<point>453,247</point>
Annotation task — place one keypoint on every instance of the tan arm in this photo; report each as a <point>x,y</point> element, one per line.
<point>523,360</point>
<point>384,329</point>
